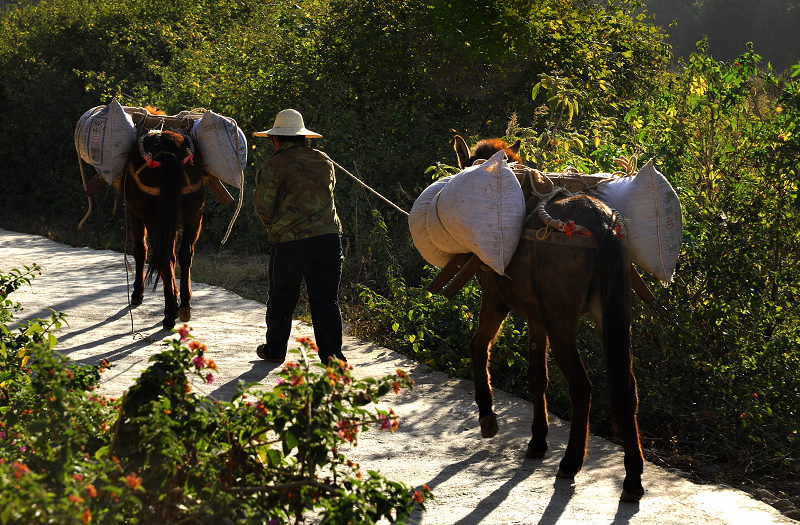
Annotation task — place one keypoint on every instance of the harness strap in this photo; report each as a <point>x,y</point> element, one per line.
<point>155,192</point>
<point>557,237</point>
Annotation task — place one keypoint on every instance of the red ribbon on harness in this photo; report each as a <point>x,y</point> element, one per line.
<point>187,161</point>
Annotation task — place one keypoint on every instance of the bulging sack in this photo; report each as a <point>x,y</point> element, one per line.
<point>655,226</point>
<point>417,224</point>
<point>482,209</point>
<point>223,147</point>
<point>104,138</point>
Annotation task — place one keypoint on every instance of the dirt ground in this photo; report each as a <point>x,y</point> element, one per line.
<point>474,480</point>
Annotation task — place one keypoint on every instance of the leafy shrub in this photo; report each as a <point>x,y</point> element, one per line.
<point>716,358</point>
<point>164,453</point>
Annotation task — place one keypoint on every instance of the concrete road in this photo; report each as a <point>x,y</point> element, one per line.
<point>474,480</point>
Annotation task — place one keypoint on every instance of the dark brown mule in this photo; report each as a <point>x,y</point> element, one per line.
<point>164,193</point>
<point>552,285</point>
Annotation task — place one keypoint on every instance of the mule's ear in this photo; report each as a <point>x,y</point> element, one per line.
<point>462,151</point>
<point>515,147</point>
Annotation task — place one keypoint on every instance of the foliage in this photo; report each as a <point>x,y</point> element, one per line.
<point>388,83</point>
<point>716,358</point>
<point>164,453</point>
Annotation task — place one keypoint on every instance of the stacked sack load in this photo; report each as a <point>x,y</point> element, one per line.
<point>653,211</point>
<point>105,137</point>
<point>479,210</point>
<point>223,147</point>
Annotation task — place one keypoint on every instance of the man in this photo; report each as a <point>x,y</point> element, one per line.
<point>293,198</point>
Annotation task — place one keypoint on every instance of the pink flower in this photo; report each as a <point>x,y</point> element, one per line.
<point>199,362</point>
<point>183,331</point>
<point>209,378</point>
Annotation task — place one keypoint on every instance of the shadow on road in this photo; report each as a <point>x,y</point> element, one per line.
<point>625,511</point>
<point>501,493</point>
<point>259,369</point>
<point>564,488</point>
<point>117,316</point>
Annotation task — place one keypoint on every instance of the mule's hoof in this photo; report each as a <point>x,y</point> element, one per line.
<point>489,425</point>
<point>136,301</point>
<point>628,497</point>
<point>632,489</point>
<point>566,474</point>
<point>185,313</point>
<point>168,324</point>
<point>536,451</point>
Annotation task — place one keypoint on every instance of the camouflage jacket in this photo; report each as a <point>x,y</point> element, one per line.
<point>294,194</point>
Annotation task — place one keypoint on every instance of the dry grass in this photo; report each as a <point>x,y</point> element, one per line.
<point>243,274</point>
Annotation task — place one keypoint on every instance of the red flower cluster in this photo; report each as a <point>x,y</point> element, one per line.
<point>347,430</point>
<point>133,481</point>
<point>308,343</point>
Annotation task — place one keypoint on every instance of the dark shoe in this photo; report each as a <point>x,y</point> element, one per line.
<point>262,352</point>
<point>325,358</point>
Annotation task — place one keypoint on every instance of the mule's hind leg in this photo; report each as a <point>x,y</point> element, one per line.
<point>537,379</point>
<point>170,294</point>
<point>493,313</point>
<point>191,231</point>
<point>138,236</point>
<point>624,401</point>
<point>565,353</point>
<point>632,489</point>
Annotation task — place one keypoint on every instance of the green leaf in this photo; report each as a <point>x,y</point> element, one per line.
<point>535,90</point>
<point>290,440</point>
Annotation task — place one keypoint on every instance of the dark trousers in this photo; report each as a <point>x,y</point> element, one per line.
<point>318,261</point>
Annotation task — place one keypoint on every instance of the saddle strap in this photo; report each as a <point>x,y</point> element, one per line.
<point>155,192</point>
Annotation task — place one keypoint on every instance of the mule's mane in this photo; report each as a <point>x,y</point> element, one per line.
<point>488,147</point>
<point>154,110</point>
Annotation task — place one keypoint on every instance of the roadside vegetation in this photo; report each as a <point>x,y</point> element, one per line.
<point>388,84</point>
<point>162,453</point>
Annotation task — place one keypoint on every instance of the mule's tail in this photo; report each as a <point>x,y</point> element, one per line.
<point>163,250</point>
<point>613,272</point>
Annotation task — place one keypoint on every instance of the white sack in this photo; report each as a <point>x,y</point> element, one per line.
<point>655,226</point>
<point>417,220</point>
<point>482,208</point>
<point>223,147</point>
<point>104,137</point>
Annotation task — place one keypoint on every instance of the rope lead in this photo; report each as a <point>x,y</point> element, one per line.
<point>387,201</point>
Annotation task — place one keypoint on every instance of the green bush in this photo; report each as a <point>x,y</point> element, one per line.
<point>716,357</point>
<point>164,453</point>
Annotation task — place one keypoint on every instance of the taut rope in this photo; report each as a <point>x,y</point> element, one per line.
<point>387,201</point>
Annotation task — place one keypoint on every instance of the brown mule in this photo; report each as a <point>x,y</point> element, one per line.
<point>163,189</point>
<point>552,285</point>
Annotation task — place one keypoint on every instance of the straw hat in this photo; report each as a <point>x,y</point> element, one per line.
<point>288,122</point>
